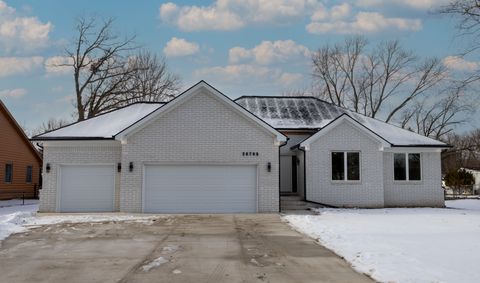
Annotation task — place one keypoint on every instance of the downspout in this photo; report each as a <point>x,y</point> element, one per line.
<point>304,173</point>
<point>279,172</point>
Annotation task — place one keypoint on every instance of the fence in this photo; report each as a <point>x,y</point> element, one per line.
<point>461,192</point>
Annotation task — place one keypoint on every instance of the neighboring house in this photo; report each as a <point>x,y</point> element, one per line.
<point>20,162</point>
<point>203,152</point>
<point>476,175</point>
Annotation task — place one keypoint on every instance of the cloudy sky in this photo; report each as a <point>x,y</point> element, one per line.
<point>241,47</point>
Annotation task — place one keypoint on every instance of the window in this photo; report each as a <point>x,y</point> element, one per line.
<point>406,167</point>
<point>28,179</point>
<point>8,173</point>
<point>345,166</point>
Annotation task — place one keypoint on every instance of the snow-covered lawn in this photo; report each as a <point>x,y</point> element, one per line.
<point>402,244</point>
<point>16,218</point>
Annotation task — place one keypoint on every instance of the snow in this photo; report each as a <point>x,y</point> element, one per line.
<point>19,218</point>
<point>13,217</point>
<point>472,204</point>
<point>393,134</point>
<point>106,125</point>
<point>155,263</point>
<point>170,249</point>
<point>401,244</point>
<point>311,113</point>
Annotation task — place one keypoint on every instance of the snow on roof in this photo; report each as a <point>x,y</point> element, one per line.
<point>312,113</point>
<point>103,126</point>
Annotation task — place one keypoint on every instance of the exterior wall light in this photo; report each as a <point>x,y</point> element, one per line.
<point>269,166</point>
<point>130,166</point>
<point>119,167</point>
<point>47,167</point>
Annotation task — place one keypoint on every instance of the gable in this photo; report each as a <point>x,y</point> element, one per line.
<point>201,88</point>
<point>356,130</point>
<point>14,139</point>
<point>307,112</point>
<point>201,119</point>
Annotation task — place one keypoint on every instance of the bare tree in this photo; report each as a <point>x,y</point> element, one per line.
<point>108,74</point>
<point>50,125</point>
<point>152,81</point>
<point>437,118</point>
<point>465,151</point>
<point>468,14</point>
<point>382,82</point>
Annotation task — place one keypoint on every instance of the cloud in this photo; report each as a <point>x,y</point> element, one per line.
<point>340,11</point>
<point>335,13</point>
<point>415,4</point>
<point>17,32</point>
<point>55,65</point>
<point>288,79</point>
<point>177,47</point>
<point>268,52</point>
<point>365,22</point>
<point>457,63</point>
<point>234,14</point>
<point>246,73</point>
<point>19,65</point>
<point>13,93</point>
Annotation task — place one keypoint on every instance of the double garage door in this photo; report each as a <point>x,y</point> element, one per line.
<point>200,189</point>
<point>166,189</point>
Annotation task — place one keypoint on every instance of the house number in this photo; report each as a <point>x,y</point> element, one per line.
<point>249,153</point>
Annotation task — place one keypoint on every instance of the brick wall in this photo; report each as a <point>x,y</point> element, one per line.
<point>202,130</point>
<point>368,192</point>
<point>75,153</point>
<point>427,192</point>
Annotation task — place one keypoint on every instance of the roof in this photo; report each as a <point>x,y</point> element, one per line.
<point>104,126</point>
<point>190,92</point>
<point>120,123</point>
<point>19,130</point>
<point>284,113</point>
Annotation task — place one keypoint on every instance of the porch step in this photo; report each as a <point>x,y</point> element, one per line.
<point>290,198</point>
<point>295,203</point>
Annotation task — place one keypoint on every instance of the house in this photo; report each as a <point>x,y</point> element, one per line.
<point>20,162</point>
<point>204,153</point>
<point>476,174</point>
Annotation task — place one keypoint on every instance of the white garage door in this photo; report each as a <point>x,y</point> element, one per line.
<point>86,188</point>
<point>200,189</point>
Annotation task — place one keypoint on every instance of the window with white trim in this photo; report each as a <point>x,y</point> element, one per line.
<point>346,166</point>
<point>407,167</point>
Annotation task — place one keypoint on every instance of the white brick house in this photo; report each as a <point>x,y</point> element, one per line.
<point>202,152</point>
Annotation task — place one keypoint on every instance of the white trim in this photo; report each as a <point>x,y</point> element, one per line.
<point>345,166</point>
<point>59,180</point>
<point>165,163</point>
<point>407,169</point>
<point>344,118</point>
<point>185,96</point>
<point>413,149</point>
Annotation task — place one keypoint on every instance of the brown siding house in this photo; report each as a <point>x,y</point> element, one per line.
<point>20,162</point>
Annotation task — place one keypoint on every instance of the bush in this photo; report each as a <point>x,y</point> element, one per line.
<point>459,180</point>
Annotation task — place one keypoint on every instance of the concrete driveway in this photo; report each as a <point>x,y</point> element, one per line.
<point>187,248</point>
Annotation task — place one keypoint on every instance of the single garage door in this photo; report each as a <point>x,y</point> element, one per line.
<point>200,189</point>
<point>87,188</point>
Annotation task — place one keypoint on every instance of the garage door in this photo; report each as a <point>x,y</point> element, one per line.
<point>200,189</point>
<point>87,188</point>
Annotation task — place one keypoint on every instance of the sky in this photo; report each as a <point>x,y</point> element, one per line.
<point>255,47</point>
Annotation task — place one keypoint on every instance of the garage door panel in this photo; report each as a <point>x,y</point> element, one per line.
<point>87,188</point>
<point>201,189</point>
